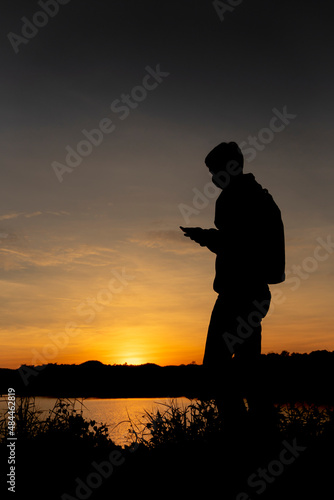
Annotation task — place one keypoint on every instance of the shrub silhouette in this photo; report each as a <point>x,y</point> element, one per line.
<point>63,421</point>
<point>173,444</point>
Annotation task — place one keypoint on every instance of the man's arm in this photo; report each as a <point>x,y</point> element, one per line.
<point>210,238</point>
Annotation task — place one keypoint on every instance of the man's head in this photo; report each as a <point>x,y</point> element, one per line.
<point>225,162</point>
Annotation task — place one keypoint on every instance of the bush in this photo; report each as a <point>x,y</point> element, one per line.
<point>198,421</point>
<point>53,449</point>
<point>201,422</point>
<point>63,421</point>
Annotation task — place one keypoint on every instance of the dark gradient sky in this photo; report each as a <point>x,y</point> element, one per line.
<point>120,208</point>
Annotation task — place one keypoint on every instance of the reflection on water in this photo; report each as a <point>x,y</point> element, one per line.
<point>115,413</point>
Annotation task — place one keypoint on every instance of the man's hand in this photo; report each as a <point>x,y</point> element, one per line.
<point>196,234</point>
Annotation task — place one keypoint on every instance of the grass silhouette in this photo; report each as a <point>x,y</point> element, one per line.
<point>195,445</point>
<point>64,419</point>
<point>201,422</point>
<point>187,448</point>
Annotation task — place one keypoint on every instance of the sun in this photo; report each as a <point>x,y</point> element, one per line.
<point>133,359</point>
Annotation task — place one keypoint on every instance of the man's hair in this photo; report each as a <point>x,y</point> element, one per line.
<point>222,154</point>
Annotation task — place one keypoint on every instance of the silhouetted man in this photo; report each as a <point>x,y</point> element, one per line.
<point>249,244</point>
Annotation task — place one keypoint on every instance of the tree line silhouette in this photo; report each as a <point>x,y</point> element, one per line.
<point>286,377</point>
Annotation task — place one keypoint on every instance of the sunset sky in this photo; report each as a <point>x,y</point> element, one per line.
<point>93,263</point>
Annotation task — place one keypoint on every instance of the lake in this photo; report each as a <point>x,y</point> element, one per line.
<point>115,413</point>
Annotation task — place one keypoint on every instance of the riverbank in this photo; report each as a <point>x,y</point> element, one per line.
<point>190,451</point>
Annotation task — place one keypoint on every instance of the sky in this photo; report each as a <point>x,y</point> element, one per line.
<point>108,109</point>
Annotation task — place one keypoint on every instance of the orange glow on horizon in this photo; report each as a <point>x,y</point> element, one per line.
<point>161,316</point>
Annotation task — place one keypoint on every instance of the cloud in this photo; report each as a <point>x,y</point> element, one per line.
<point>59,213</point>
<point>167,241</point>
<point>28,215</point>
<point>81,255</point>
<point>11,242</point>
<point>10,216</point>
<point>33,214</point>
